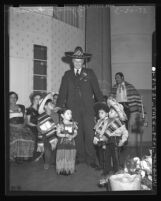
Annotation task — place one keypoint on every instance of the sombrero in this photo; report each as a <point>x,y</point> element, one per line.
<point>78,54</point>
<point>100,105</point>
<point>43,101</point>
<point>111,102</point>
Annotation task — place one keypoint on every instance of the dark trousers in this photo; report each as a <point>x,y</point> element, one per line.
<point>84,140</point>
<point>49,155</point>
<point>111,152</point>
<point>100,156</point>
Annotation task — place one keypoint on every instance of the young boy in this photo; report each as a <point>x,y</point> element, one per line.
<point>47,130</point>
<point>101,110</point>
<point>115,135</point>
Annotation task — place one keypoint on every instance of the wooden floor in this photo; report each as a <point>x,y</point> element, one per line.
<point>31,176</point>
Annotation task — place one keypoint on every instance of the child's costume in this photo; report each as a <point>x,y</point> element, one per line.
<point>100,128</point>
<point>116,134</point>
<point>47,132</point>
<point>47,138</point>
<point>66,151</point>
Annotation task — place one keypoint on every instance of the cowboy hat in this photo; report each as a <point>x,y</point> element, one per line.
<point>78,54</point>
<point>111,102</point>
<point>100,105</point>
<point>43,101</point>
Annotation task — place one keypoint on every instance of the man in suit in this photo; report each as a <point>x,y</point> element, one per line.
<point>79,90</point>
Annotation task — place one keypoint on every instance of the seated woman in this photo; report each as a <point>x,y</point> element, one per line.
<point>32,116</point>
<point>21,137</point>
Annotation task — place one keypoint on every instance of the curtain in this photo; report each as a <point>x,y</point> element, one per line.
<point>98,43</point>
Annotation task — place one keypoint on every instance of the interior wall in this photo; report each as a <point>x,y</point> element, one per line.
<point>26,28</point>
<point>64,38</point>
<point>131,53</point>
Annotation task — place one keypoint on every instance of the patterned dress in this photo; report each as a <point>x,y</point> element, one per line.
<point>66,151</point>
<point>21,137</point>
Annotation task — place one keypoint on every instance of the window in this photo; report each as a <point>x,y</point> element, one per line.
<point>40,69</point>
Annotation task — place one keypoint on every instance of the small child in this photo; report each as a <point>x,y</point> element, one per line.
<point>47,139</point>
<point>101,110</point>
<point>116,135</point>
<point>66,151</point>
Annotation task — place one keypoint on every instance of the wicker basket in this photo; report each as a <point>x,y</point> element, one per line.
<point>125,182</point>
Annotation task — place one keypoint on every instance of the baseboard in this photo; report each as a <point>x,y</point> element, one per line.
<point>144,144</point>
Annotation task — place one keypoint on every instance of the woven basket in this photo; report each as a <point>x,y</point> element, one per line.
<point>125,182</point>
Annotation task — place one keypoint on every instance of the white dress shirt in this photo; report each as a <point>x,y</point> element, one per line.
<point>121,93</point>
<point>75,71</point>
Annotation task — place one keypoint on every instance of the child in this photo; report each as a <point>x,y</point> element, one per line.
<point>47,138</point>
<point>101,110</point>
<point>66,151</point>
<point>115,135</point>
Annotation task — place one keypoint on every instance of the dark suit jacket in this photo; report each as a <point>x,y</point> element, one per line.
<point>79,93</point>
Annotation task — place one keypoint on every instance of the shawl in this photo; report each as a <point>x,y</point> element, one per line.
<point>133,97</point>
<point>47,127</point>
<point>100,126</point>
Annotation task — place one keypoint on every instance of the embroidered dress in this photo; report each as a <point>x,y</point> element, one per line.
<point>21,137</point>
<point>66,151</point>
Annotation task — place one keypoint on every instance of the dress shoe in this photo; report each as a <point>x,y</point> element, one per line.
<point>93,165</point>
<point>98,168</point>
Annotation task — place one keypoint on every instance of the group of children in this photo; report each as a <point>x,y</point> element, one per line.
<point>58,137</point>
<point>110,135</point>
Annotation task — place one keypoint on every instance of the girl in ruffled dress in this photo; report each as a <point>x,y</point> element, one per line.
<point>66,150</point>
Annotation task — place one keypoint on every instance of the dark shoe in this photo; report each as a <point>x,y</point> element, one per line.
<point>103,182</point>
<point>98,168</point>
<point>93,165</point>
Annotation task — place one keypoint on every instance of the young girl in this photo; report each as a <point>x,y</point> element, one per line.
<point>101,110</point>
<point>66,151</point>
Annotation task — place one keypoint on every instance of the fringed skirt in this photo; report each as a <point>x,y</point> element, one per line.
<point>22,142</point>
<point>65,156</point>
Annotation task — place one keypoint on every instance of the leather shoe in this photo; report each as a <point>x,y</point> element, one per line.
<point>98,168</point>
<point>93,165</point>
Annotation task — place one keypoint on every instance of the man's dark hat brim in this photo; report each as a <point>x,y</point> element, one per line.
<point>84,56</point>
<point>99,105</point>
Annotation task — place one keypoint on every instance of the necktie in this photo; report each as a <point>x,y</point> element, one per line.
<point>77,73</point>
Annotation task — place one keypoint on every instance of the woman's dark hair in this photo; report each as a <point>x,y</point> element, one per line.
<point>32,96</point>
<point>120,74</point>
<point>12,92</point>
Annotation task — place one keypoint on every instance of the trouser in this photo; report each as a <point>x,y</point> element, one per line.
<point>47,151</point>
<point>111,152</point>
<point>84,140</point>
<point>100,156</point>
